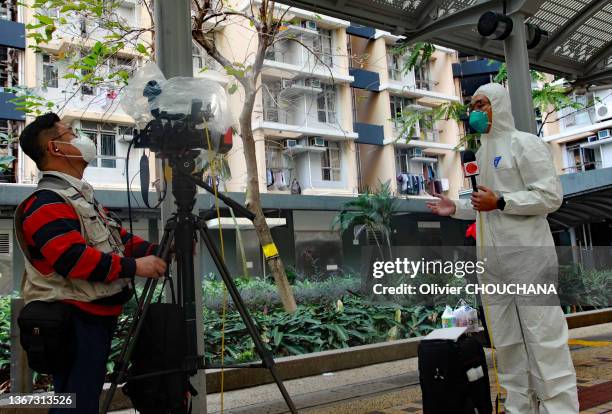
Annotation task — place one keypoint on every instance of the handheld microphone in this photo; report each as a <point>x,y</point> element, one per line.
<point>470,167</point>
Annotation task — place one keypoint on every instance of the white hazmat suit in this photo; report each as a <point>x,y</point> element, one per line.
<point>531,341</point>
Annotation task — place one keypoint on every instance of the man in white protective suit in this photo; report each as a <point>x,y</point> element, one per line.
<point>518,188</point>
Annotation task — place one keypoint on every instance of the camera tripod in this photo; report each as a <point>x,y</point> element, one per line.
<point>182,229</point>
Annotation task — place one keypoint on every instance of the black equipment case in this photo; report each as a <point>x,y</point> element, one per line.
<point>454,376</point>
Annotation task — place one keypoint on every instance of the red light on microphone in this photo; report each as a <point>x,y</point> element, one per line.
<point>471,168</point>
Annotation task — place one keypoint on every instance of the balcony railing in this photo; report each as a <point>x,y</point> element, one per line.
<point>425,84</point>
<point>587,166</point>
<point>431,135</point>
<point>318,58</point>
<point>573,118</point>
<point>396,75</point>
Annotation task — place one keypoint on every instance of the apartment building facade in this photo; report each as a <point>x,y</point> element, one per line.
<point>320,125</point>
<point>94,110</point>
<point>12,46</point>
<point>383,92</point>
<point>581,142</point>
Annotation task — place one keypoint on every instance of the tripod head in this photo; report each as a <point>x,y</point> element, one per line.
<point>184,183</point>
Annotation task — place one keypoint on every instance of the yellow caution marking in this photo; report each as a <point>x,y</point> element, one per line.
<point>589,343</point>
<point>168,173</point>
<point>270,250</point>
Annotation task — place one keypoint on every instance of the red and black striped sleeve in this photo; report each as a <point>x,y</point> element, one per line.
<point>52,231</point>
<point>136,246</point>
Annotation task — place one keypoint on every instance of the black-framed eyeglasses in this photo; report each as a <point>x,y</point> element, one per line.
<point>64,133</point>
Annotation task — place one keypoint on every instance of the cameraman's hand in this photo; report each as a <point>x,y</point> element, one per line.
<point>150,266</point>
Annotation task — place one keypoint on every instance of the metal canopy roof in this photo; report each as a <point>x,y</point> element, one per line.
<point>587,198</point>
<point>578,46</point>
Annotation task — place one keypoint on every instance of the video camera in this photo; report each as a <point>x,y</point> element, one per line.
<point>178,114</point>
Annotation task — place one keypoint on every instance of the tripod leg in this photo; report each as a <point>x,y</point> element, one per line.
<point>137,322</point>
<point>266,356</point>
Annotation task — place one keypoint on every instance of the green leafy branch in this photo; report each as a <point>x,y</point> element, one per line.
<point>418,54</point>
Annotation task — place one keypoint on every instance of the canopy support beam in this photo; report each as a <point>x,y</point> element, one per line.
<point>173,51</point>
<point>519,78</point>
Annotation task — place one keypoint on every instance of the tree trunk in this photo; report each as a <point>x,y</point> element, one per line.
<point>253,201</point>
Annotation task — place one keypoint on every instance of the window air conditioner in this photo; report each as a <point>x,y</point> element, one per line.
<point>6,243</point>
<point>317,142</point>
<point>415,152</point>
<point>290,143</point>
<point>309,24</point>
<point>603,105</point>
<point>604,133</point>
<point>592,138</point>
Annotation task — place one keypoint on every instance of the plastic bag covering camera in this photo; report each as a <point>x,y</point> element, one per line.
<point>178,113</point>
<point>134,103</point>
<point>177,96</point>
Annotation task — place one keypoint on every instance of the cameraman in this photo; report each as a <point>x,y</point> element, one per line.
<point>76,254</point>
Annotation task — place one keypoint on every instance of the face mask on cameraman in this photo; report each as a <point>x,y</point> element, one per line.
<point>84,144</point>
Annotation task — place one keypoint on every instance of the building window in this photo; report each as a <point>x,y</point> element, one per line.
<point>398,105</point>
<point>201,59</point>
<point>330,162</point>
<point>49,72</point>
<point>326,104</point>
<point>126,14</point>
<point>87,89</point>
<point>581,159</point>
<point>197,55</point>
<point>393,64</point>
<point>105,138</point>
<point>274,155</point>
<point>469,58</point>
<point>5,9</point>
<point>4,67</point>
<point>421,76</point>
<point>107,148</point>
<point>271,97</point>
<point>401,162</point>
<point>322,47</point>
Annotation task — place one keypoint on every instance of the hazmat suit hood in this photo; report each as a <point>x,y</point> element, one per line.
<point>503,121</point>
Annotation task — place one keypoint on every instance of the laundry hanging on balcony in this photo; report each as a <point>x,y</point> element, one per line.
<point>279,180</point>
<point>269,178</point>
<point>411,184</point>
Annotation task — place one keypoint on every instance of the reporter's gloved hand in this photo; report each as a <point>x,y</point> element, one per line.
<point>150,266</point>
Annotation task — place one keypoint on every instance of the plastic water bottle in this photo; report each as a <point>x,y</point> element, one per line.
<point>461,316</point>
<point>448,318</point>
<point>472,320</point>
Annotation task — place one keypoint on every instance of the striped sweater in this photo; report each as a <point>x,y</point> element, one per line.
<point>52,231</point>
